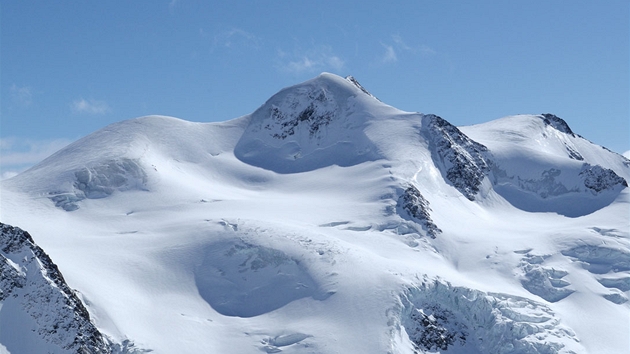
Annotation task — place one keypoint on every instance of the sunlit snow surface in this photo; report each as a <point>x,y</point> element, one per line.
<point>288,231</point>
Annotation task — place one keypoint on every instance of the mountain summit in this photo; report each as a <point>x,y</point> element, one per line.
<point>324,222</point>
<point>311,125</point>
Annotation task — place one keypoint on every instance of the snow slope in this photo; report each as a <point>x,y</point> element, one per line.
<point>329,222</point>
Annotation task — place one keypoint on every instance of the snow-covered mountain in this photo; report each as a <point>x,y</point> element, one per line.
<point>324,222</point>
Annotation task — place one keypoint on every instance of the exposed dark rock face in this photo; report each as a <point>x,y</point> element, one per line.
<point>546,186</point>
<point>318,113</point>
<point>597,178</point>
<point>461,160</point>
<point>435,329</point>
<point>357,84</point>
<point>30,276</point>
<point>558,123</point>
<point>417,207</point>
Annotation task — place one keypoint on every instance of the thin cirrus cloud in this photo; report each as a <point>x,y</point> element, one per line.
<point>398,45</point>
<point>234,38</point>
<point>315,59</point>
<point>93,107</point>
<point>390,54</point>
<point>21,95</point>
<point>17,155</point>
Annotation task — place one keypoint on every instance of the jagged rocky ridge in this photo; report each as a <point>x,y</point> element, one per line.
<point>462,161</point>
<point>597,178</point>
<point>30,278</point>
<point>31,282</point>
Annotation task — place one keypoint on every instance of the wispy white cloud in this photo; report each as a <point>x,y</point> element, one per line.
<point>21,95</point>
<point>17,155</point>
<point>84,106</point>
<point>399,46</point>
<point>627,154</point>
<point>390,54</point>
<point>400,43</point>
<point>234,38</point>
<point>317,58</point>
<point>425,50</point>
<point>172,4</point>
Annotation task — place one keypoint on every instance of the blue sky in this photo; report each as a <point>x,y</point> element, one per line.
<point>68,68</point>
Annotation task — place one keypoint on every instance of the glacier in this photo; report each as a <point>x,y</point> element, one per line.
<point>324,222</point>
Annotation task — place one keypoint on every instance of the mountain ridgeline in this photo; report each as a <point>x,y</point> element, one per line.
<point>326,221</point>
<point>334,121</point>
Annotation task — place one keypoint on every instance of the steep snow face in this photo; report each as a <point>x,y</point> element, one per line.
<point>311,125</point>
<point>540,165</point>
<point>38,311</point>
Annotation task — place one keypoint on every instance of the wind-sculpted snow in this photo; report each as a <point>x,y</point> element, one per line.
<point>600,259</point>
<point>35,297</point>
<point>462,161</point>
<point>101,181</point>
<point>440,317</point>
<point>244,280</point>
<point>610,266</point>
<point>545,282</point>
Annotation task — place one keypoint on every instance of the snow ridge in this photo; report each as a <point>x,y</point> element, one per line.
<point>357,84</point>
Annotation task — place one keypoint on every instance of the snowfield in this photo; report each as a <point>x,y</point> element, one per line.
<point>324,222</point>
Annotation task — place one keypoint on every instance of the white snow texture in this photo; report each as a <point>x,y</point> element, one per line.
<point>324,222</point>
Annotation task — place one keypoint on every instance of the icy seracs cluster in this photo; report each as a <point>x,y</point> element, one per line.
<point>439,316</point>
<point>101,181</point>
